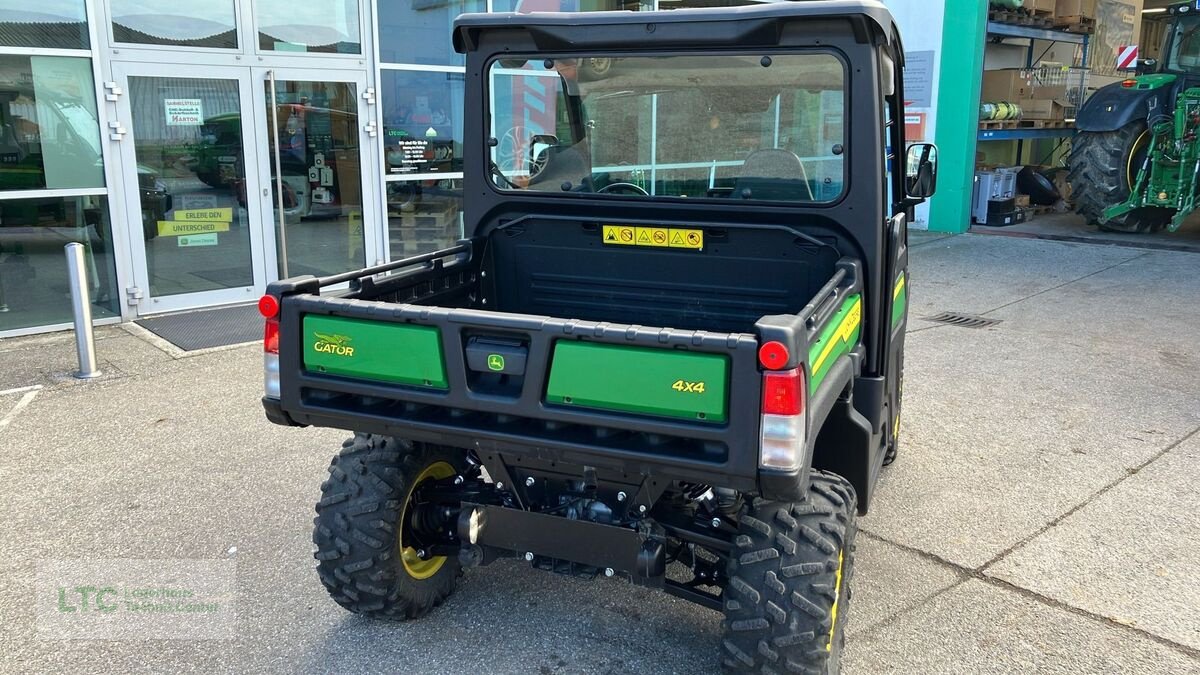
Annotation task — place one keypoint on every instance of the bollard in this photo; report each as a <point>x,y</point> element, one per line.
<point>81,307</point>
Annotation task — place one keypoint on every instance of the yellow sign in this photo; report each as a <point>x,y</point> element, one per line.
<point>653,236</point>
<point>619,235</point>
<point>657,237</point>
<point>693,239</point>
<point>207,215</point>
<point>175,228</point>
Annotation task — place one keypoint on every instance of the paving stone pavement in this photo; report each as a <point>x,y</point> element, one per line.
<point>1041,518</point>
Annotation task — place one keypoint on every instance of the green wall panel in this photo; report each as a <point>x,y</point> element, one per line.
<point>963,40</point>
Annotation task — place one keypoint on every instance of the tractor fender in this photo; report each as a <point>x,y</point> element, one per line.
<point>1114,106</point>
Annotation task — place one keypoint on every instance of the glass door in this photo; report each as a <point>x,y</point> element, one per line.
<point>185,143</point>
<point>317,165</point>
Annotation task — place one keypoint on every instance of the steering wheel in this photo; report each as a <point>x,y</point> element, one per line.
<point>623,188</point>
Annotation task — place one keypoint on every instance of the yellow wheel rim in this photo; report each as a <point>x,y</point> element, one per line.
<point>413,564</point>
<point>837,596</point>
<point>1131,171</point>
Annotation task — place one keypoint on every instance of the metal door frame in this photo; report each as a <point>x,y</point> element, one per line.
<point>129,189</point>
<point>368,171</point>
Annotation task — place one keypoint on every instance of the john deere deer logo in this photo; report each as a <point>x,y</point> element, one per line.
<point>333,344</point>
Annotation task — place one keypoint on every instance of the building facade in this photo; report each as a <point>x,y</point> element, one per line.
<point>200,150</point>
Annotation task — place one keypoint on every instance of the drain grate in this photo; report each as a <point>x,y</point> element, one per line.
<point>963,320</point>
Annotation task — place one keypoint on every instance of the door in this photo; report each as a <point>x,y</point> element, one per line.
<point>316,170</point>
<point>196,230</point>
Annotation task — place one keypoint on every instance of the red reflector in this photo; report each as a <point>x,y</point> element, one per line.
<point>783,393</point>
<point>773,355</point>
<point>268,306</point>
<point>271,336</point>
<point>1129,84</point>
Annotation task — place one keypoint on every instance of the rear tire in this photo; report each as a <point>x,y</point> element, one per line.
<point>1103,167</point>
<point>789,582</point>
<point>359,529</point>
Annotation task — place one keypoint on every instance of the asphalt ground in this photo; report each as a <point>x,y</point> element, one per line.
<point>1041,518</point>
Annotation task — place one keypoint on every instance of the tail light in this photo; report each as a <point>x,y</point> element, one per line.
<point>268,306</point>
<point>271,336</point>
<point>782,441</point>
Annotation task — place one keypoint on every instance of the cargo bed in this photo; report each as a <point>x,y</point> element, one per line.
<point>539,339</point>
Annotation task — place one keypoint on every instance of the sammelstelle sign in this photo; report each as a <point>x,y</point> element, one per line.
<point>184,112</point>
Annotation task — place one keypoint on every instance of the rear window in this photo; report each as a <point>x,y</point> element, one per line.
<point>753,127</point>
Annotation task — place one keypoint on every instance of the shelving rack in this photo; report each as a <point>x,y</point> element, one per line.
<point>1005,30</point>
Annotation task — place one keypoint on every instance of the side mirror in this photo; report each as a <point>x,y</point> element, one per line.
<point>920,175</point>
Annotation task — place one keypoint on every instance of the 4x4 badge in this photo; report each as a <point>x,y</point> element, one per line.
<point>495,362</point>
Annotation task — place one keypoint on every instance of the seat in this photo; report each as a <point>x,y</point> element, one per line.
<point>776,174</point>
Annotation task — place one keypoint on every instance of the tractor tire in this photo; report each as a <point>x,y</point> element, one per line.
<point>1103,167</point>
<point>789,582</point>
<point>359,530</point>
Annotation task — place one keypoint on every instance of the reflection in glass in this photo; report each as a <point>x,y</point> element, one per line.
<point>423,216</point>
<point>526,6</point>
<point>187,135</point>
<point>180,23</point>
<point>422,126</point>
<point>49,24</point>
<point>327,26</point>
<point>419,31</point>
<point>322,182</point>
<point>33,277</point>
<point>49,134</point>
<point>715,126</point>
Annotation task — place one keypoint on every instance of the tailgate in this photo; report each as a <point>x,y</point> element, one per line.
<point>602,393</point>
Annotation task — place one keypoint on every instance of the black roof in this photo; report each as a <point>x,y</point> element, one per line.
<point>871,11</point>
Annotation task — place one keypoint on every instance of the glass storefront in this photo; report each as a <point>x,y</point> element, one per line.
<point>51,24</point>
<point>422,125</point>
<point>209,24</point>
<point>320,158</point>
<point>49,133</point>
<point>33,271</point>
<point>191,210</point>
<point>423,216</point>
<point>195,228</point>
<point>425,25</point>
<point>311,26</point>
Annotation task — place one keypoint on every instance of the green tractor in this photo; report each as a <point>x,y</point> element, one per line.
<point>1135,162</point>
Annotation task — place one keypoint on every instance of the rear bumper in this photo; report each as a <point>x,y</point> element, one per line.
<point>275,413</point>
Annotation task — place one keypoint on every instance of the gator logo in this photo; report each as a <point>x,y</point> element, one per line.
<point>333,344</point>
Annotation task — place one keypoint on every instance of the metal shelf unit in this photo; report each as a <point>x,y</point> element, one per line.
<point>1003,30</point>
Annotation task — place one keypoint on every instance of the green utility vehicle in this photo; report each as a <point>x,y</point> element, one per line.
<point>670,347</point>
<point>1135,162</point>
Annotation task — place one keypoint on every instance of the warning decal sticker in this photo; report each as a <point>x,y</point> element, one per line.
<point>657,237</point>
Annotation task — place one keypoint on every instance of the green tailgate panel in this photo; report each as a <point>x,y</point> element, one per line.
<point>663,382</point>
<point>373,350</point>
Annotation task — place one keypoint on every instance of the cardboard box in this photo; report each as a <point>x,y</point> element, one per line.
<point>1042,93</point>
<point>1084,8</point>
<point>1012,84</point>
<point>1041,6</point>
<point>1043,110</point>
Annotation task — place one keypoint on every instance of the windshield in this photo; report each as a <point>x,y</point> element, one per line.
<point>760,127</point>
<point>1185,45</point>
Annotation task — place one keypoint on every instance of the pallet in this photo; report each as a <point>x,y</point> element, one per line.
<point>1037,19</point>
<point>992,125</point>
<point>1076,24</point>
<point>1043,124</point>
<point>1034,211</point>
